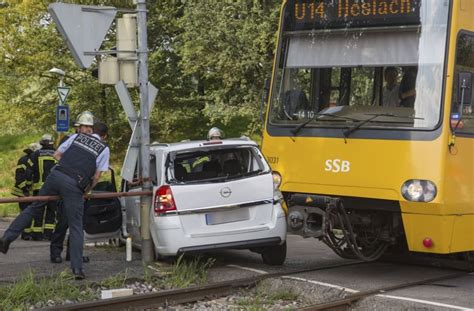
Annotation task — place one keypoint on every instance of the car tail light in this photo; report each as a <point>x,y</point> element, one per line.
<point>164,201</point>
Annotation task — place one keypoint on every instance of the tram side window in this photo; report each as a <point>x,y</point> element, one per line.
<point>464,63</point>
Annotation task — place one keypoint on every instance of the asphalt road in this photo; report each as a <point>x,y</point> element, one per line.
<point>453,294</point>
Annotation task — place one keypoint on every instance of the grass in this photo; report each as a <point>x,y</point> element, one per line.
<point>263,297</point>
<point>29,291</point>
<point>116,281</point>
<point>58,288</point>
<point>184,273</point>
<point>11,149</point>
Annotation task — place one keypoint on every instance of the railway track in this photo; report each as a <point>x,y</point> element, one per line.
<point>346,302</point>
<point>186,295</point>
<point>220,289</point>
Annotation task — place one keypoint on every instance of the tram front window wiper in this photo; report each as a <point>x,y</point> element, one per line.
<point>373,116</point>
<point>317,115</point>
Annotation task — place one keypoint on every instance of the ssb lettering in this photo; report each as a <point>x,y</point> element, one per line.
<point>337,166</point>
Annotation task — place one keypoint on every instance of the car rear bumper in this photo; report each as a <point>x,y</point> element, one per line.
<point>170,239</point>
<point>232,245</point>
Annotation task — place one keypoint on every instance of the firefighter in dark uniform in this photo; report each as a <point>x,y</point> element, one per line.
<point>43,161</point>
<point>82,159</point>
<point>23,181</point>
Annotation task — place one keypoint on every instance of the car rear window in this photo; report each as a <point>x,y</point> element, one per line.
<point>215,164</point>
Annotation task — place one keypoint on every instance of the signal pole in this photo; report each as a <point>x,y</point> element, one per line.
<point>146,201</point>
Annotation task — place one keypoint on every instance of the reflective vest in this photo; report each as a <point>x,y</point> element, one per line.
<point>43,162</point>
<point>80,157</point>
<point>23,176</point>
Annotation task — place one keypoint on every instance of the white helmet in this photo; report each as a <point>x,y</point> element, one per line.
<point>215,133</point>
<point>34,146</point>
<point>85,118</point>
<point>46,139</point>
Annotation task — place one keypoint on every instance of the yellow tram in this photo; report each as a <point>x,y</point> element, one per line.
<point>370,124</point>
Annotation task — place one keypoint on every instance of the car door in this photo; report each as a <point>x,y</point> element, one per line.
<point>103,217</point>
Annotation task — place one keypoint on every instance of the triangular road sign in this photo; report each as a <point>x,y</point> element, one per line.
<point>63,92</point>
<point>83,27</point>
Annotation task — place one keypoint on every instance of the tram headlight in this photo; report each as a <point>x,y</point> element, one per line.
<point>419,190</point>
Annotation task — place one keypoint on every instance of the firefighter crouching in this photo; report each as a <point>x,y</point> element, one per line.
<point>43,224</point>
<point>23,181</point>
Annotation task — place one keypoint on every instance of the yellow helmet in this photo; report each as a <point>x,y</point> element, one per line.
<point>85,118</point>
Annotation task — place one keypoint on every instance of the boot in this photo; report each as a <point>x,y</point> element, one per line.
<point>4,245</point>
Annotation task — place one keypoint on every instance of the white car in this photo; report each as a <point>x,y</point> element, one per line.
<point>211,195</point>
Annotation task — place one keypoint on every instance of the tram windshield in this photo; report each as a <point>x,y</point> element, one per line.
<point>343,62</point>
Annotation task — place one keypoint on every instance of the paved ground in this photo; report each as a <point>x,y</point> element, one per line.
<point>25,255</point>
<point>106,261</point>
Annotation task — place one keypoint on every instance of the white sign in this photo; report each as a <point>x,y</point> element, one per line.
<point>63,92</point>
<point>83,27</point>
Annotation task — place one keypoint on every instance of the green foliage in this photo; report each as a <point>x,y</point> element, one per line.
<point>115,281</point>
<point>264,296</point>
<point>11,149</point>
<point>208,59</point>
<point>29,290</point>
<point>186,273</point>
<point>226,47</point>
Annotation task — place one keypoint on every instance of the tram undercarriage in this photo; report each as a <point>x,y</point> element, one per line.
<point>351,227</point>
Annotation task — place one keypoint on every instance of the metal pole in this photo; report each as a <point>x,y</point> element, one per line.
<point>145,203</point>
<point>102,195</point>
<point>60,135</point>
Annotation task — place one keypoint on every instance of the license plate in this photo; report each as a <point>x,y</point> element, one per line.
<point>223,217</point>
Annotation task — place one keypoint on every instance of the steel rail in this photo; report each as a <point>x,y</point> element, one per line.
<point>98,195</point>
<point>186,295</point>
<point>349,300</point>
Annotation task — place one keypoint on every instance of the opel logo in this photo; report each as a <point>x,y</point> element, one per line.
<point>225,192</point>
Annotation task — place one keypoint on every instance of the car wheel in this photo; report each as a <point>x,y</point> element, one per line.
<point>158,256</point>
<point>274,255</point>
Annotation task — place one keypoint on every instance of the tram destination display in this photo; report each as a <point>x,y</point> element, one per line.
<point>321,14</point>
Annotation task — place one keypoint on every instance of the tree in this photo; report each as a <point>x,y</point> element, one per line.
<point>209,68</point>
<point>226,47</point>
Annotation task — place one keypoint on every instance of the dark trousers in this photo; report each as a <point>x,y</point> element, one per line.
<point>43,223</point>
<point>60,184</point>
<point>59,234</point>
<point>49,220</point>
<point>27,231</point>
